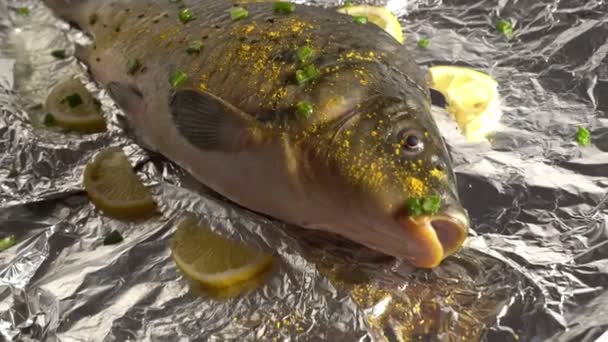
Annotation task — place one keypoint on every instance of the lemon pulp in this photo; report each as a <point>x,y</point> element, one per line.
<point>213,260</point>
<point>472,98</point>
<point>113,186</point>
<point>379,16</point>
<point>83,114</point>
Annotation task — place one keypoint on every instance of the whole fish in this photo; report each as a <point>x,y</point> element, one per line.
<point>300,113</point>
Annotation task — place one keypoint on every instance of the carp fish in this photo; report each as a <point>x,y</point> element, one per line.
<point>300,113</point>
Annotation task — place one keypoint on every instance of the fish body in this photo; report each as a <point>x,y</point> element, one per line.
<point>307,116</point>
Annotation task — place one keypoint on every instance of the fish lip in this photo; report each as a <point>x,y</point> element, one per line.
<point>435,236</point>
<point>452,230</point>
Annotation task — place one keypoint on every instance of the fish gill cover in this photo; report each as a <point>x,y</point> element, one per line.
<point>533,269</point>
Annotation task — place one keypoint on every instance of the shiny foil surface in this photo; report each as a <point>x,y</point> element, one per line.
<point>535,267</point>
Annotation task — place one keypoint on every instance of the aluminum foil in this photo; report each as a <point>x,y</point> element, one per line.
<point>535,267</point>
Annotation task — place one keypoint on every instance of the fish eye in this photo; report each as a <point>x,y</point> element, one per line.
<point>413,141</point>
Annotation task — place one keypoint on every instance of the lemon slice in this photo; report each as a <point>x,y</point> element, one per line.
<point>379,16</point>
<point>113,186</point>
<point>213,260</point>
<point>69,105</point>
<point>472,98</point>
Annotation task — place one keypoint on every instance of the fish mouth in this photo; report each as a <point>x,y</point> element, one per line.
<point>434,238</point>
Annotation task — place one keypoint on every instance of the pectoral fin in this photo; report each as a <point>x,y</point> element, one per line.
<point>128,97</point>
<point>211,123</point>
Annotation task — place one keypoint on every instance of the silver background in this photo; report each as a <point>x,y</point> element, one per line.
<point>534,269</point>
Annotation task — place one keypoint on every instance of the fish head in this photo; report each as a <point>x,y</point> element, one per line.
<point>394,180</point>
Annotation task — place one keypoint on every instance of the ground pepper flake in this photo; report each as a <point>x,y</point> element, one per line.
<point>438,174</point>
<point>415,187</point>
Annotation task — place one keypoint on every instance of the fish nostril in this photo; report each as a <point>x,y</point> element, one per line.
<point>451,234</point>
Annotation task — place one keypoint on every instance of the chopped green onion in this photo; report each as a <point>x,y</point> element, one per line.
<point>305,54</point>
<point>414,206</point>
<point>49,120</point>
<point>304,110</point>
<point>113,238</point>
<point>418,206</point>
<point>13,172</point>
<point>431,204</point>
<point>174,1</point>
<point>360,19</point>
<point>284,7</point>
<point>73,100</point>
<point>307,74</point>
<point>424,43</point>
<point>505,27</point>
<point>60,54</point>
<point>583,136</point>
<point>133,65</point>
<point>238,13</point>
<point>178,78</point>
<point>23,11</point>
<point>195,46</point>
<point>347,3</point>
<point>186,15</point>
<point>7,242</point>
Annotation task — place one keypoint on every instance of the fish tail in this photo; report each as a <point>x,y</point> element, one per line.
<point>72,11</point>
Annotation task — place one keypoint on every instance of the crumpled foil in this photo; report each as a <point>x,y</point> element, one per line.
<point>535,267</point>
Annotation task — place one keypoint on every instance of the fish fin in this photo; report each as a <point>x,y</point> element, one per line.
<point>69,10</point>
<point>211,123</point>
<point>131,100</point>
<point>127,96</point>
<point>83,52</point>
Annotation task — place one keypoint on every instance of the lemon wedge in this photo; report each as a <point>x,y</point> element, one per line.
<point>113,186</point>
<point>379,16</point>
<point>213,260</point>
<point>472,98</point>
<point>69,105</point>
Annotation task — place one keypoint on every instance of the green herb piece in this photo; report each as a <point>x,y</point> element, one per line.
<point>13,172</point>
<point>7,242</point>
<point>414,206</point>
<point>133,65</point>
<point>305,54</point>
<point>113,238</point>
<point>583,136</point>
<point>347,3</point>
<point>49,120</point>
<point>431,204</point>
<point>238,13</point>
<point>284,7</point>
<point>23,11</point>
<point>195,46</point>
<point>309,73</point>
<point>73,100</point>
<point>178,78</point>
<point>424,43</point>
<point>360,19</point>
<point>174,1</point>
<point>505,27</point>
<point>304,110</point>
<point>186,15</point>
<point>59,54</point>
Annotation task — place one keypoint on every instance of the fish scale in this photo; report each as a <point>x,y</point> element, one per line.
<point>365,149</point>
<point>218,66</point>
